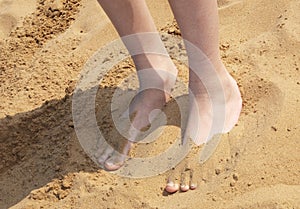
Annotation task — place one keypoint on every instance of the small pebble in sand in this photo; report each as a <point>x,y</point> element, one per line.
<point>274,128</point>
<point>232,184</point>
<point>217,171</point>
<point>235,176</point>
<point>57,168</point>
<point>71,124</point>
<point>66,184</point>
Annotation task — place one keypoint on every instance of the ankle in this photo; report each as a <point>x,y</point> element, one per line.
<point>158,72</point>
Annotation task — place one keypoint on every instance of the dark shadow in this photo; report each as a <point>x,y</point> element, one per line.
<point>41,145</point>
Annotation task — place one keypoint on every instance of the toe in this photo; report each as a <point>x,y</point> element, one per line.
<point>115,162</point>
<point>172,187</point>
<point>184,180</point>
<point>193,183</point>
<point>111,166</point>
<point>105,155</point>
<point>184,187</point>
<point>193,186</point>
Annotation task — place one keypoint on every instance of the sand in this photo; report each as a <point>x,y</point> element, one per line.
<point>44,45</point>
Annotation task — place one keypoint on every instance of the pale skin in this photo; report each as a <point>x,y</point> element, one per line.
<point>198,23</point>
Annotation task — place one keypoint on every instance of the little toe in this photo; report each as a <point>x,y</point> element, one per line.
<point>193,183</point>
<point>193,186</point>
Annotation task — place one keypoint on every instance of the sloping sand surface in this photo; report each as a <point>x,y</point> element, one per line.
<point>44,45</point>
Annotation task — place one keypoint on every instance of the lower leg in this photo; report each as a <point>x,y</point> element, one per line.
<point>200,28</point>
<point>137,30</point>
<point>198,22</point>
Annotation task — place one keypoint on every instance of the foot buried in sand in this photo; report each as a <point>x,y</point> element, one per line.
<point>142,111</point>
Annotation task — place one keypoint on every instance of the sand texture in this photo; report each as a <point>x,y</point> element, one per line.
<point>44,45</point>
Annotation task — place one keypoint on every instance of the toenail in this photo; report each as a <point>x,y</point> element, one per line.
<point>193,186</point>
<point>184,188</point>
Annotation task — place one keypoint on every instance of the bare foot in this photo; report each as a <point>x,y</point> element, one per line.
<point>199,124</point>
<point>155,87</point>
<point>226,101</point>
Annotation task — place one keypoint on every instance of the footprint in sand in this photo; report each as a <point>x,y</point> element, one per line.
<point>7,23</point>
<point>11,13</point>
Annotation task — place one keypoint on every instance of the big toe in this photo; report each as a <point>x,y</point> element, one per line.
<point>115,162</point>
<point>104,155</point>
<point>112,167</point>
<point>172,187</point>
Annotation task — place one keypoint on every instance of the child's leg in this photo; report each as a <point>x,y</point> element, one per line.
<point>135,26</point>
<point>198,22</point>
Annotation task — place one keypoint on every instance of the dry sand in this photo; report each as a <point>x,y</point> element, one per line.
<point>42,51</point>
